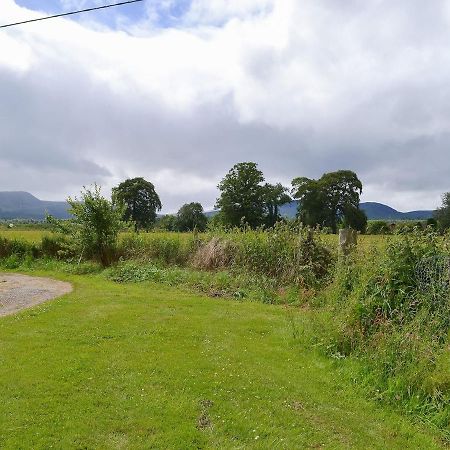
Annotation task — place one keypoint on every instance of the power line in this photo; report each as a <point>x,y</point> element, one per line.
<point>70,13</point>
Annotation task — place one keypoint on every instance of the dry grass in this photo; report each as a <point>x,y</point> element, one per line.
<point>215,254</point>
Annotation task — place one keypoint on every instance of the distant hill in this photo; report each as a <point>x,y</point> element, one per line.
<point>374,211</point>
<point>23,205</point>
<point>382,212</point>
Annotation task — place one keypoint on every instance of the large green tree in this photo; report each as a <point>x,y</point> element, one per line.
<point>442,214</point>
<point>275,195</point>
<point>242,196</point>
<point>191,217</point>
<point>331,199</point>
<point>141,201</point>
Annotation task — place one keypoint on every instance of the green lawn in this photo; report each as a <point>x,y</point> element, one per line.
<point>145,366</point>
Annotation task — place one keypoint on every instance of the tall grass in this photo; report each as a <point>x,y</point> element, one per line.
<point>383,314</point>
<point>289,254</point>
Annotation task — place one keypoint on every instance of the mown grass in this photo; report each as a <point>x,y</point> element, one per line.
<point>149,366</point>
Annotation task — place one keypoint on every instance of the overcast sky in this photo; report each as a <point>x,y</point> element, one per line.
<point>179,91</point>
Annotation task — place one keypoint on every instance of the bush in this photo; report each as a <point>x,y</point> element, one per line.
<point>56,246</point>
<point>93,231</point>
<point>286,253</point>
<point>378,227</point>
<point>16,247</point>
<point>400,326</point>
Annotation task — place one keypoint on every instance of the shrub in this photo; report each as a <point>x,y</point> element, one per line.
<point>378,227</point>
<point>288,253</point>
<point>16,247</point>
<point>93,231</point>
<point>400,327</point>
<point>55,246</point>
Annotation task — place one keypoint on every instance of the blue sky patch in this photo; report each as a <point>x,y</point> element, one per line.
<point>111,17</point>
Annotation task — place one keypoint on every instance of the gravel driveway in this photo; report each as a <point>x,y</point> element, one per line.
<point>22,291</point>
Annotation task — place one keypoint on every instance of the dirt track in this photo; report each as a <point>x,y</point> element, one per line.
<point>18,292</point>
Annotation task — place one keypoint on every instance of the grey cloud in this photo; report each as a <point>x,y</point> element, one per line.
<point>375,100</point>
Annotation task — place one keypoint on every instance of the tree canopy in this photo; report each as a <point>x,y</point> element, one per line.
<point>442,214</point>
<point>141,201</point>
<point>274,196</point>
<point>331,199</point>
<point>241,198</point>
<point>191,217</point>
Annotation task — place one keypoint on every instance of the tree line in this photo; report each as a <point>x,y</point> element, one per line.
<point>246,199</point>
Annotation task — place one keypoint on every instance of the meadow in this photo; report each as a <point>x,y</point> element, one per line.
<point>229,340</point>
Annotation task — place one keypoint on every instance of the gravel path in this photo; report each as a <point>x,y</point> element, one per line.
<point>22,291</point>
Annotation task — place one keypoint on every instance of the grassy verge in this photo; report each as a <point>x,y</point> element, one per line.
<point>369,306</point>
<point>149,366</point>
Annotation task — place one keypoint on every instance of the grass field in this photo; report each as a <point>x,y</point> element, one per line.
<point>34,236</point>
<point>114,366</point>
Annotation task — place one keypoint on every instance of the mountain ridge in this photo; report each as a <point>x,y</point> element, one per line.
<point>374,211</point>
<point>23,205</point>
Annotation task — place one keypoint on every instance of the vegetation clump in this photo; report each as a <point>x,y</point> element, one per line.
<point>330,200</point>
<point>140,200</point>
<point>93,231</point>
<point>385,313</point>
<point>442,214</point>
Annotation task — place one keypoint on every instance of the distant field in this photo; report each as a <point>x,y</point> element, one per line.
<point>26,235</point>
<point>365,241</point>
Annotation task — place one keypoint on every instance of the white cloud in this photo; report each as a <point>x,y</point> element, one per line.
<point>300,87</point>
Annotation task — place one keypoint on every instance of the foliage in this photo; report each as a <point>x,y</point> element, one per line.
<point>327,201</point>
<point>409,226</point>
<point>286,253</point>
<point>216,284</point>
<point>141,201</point>
<point>354,218</point>
<point>166,248</point>
<point>168,222</point>
<point>442,214</point>
<point>274,196</point>
<point>17,248</point>
<point>56,246</point>
<point>396,324</point>
<point>378,227</point>
<point>216,222</point>
<point>241,200</point>
<point>94,229</point>
<point>214,254</point>
<point>432,222</point>
<point>191,217</point>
